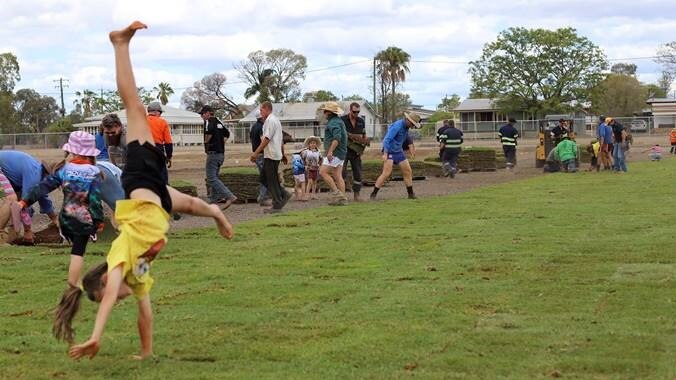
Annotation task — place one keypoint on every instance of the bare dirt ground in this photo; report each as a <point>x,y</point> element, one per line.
<point>188,164</point>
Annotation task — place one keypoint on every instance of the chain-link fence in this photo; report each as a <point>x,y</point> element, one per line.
<point>33,140</point>
<point>479,130</point>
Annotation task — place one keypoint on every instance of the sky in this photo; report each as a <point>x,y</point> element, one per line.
<point>188,40</point>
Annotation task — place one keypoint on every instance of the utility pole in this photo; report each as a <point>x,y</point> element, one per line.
<point>60,87</point>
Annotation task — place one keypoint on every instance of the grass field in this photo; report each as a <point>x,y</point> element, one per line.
<point>559,276</point>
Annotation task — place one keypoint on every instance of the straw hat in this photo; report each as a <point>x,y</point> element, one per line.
<point>82,144</point>
<point>331,107</point>
<point>414,118</point>
<point>316,139</point>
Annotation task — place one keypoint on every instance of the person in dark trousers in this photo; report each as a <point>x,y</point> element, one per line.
<point>508,135</point>
<point>559,132</point>
<point>356,143</point>
<point>215,135</point>
<point>451,141</point>
<point>255,135</point>
<point>272,147</point>
<point>440,131</point>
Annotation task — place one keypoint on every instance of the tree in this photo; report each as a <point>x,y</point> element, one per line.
<point>665,81</point>
<point>9,72</point>
<point>7,114</point>
<point>392,67</point>
<point>210,90</point>
<point>353,98</point>
<point>654,91</point>
<point>666,56</point>
<point>319,96</point>
<point>619,95</point>
<point>448,104</point>
<point>274,75</point>
<point>85,102</point>
<point>398,103</point>
<point>35,112</point>
<point>163,91</point>
<point>538,70</point>
<point>623,68</point>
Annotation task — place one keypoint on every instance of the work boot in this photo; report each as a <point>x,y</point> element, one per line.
<point>357,198</point>
<point>339,199</point>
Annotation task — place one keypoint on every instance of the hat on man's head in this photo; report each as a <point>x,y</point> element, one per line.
<point>414,118</point>
<point>82,144</point>
<point>155,107</point>
<point>331,107</point>
<point>206,108</point>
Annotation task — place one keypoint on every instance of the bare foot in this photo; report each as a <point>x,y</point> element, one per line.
<point>224,226</point>
<point>124,36</point>
<point>142,356</point>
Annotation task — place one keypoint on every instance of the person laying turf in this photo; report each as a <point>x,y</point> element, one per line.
<point>143,221</point>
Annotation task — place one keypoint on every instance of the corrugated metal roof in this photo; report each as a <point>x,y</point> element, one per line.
<point>300,111</point>
<point>475,105</point>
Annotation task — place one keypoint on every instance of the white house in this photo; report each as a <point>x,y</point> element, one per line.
<point>186,126</point>
<point>664,112</point>
<point>300,119</point>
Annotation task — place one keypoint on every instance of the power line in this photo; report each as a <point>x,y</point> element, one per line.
<point>352,64</point>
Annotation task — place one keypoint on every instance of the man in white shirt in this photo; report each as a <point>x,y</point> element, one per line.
<point>272,146</point>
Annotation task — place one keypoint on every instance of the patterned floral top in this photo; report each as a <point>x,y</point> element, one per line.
<point>82,211</point>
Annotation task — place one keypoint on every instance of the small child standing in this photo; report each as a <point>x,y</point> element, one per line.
<point>81,215</point>
<point>594,148</point>
<point>298,167</point>
<point>312,157</point>
<point>655,152</point>
<point>672,140</point>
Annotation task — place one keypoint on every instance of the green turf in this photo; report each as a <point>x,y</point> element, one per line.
<point>562,275</point>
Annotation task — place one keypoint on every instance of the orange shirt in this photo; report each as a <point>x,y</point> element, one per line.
<point>159,129</point>
<point>673,136</point>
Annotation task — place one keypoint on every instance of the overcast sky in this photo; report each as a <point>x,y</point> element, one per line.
<point>187,40</point>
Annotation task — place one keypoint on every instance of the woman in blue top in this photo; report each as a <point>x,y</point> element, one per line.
<point>393,153</point>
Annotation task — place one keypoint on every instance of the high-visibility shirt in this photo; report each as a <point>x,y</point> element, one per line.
<point>161,135</point>
<point>451,138</point>
<point>160,130</point>
<point>508,135</point>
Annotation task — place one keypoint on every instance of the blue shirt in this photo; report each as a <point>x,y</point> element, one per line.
<point>605,132</point>
<point>395,137</point>
<point>101,145</point>
<point>23,172</point>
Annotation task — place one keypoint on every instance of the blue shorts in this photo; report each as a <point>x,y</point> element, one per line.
<point>397,158</point>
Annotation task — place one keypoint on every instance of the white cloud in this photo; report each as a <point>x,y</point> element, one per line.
<point>187,40</point>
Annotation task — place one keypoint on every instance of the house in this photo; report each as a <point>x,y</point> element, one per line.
<point>422,112</point>
<point>663,111</point>
<point>186,126</point>
<point>301,119</point>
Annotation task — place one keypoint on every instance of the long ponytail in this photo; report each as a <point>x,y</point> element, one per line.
<point>70,302</point>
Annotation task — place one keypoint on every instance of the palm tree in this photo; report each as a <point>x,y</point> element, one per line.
<point>261,86</point>
<point>85,101</point>
<point>392,67</point>
<point>164,91</point>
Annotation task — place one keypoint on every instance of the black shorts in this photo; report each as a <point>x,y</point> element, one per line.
<point>144,168</point>
<point>79,243</point>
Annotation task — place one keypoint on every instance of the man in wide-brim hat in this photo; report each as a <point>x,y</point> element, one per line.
<point>393,153</point>
<point>335,148</point>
